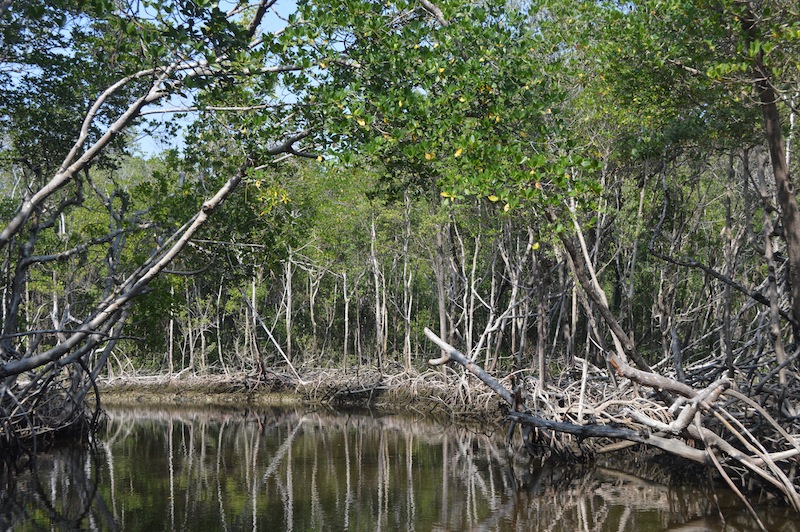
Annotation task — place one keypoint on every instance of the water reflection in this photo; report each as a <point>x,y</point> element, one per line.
<point>289,470</point>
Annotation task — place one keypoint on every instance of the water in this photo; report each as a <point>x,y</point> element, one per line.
<point>237,469</point>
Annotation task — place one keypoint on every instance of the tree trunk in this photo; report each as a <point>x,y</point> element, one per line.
<point>346,297</point>
<point>408,295</point>
<point>591,287</point>
<point>441,291</point>
<point>772,268</point>
<point>171,347</point>
<point>380,315</point>
<point>730,257</point>
<point>288,319</point>
<point>787,200</point>
<point>542,319</point>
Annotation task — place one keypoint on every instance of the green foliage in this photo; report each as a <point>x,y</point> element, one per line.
<point>666,74</point>
<point>468,108</point>
<point>489,126</point>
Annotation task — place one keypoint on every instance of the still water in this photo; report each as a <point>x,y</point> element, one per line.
<point>199,470</point>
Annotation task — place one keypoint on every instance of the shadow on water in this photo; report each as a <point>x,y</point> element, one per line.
<point>270,469</point>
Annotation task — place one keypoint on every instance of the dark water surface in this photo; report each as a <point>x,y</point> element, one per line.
<point>198,470</point>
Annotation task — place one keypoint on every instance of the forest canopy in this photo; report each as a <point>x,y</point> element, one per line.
<point>542,182</point>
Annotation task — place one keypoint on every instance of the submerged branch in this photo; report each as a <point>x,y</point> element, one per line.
<point>657,440</point>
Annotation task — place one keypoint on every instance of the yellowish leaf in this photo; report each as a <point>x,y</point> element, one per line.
<point>535,246</point>
<point>429,156</point>
<point>459,152</point>
<point>507,208</point>
<point>493,198</point>
<point>361,122</point>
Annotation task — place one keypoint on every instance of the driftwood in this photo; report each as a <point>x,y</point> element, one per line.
<point>715,425</point>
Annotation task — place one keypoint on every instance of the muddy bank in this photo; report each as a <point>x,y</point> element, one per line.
<point>429,393</point>
<point>193,390</point>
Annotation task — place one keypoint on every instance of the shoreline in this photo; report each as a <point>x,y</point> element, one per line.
<point>429,393</point>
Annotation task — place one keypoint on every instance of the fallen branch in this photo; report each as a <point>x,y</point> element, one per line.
<point>451,353</point>
<point>696,425</point>
<point>602,431</point>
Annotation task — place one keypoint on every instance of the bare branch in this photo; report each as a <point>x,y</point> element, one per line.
<point>693,263</point>
<point>73,164</point>
<point>192,109</point>
<point>451,353</point>
<point>690,70</point>
<point>114,304</point>
<point>601,431</point>
<point>434,10</point>
<point>77,250</point>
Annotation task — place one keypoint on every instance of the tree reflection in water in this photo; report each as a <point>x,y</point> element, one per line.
<point>232,469</point>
